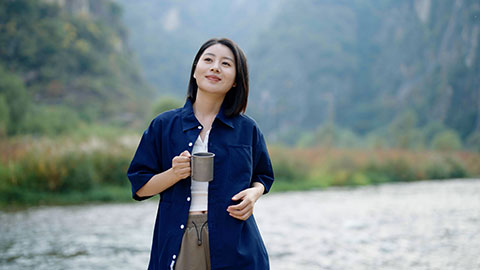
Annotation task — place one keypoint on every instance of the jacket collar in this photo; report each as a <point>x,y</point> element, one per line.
<point>189,120</point>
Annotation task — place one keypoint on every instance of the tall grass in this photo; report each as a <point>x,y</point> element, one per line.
<point>93,168</point>
<point>323,167</point>
<point>39,171</point>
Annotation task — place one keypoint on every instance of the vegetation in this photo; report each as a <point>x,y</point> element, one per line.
<point>350,92</point>
<point>323,167</point>
<point>64,170</point>
<point>60,67</point>
<point>402,71</point>
<point>74,169</point>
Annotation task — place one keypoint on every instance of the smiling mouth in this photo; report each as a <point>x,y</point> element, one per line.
<point>213,78</point>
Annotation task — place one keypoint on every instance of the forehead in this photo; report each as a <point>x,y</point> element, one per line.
<point>219,50</point>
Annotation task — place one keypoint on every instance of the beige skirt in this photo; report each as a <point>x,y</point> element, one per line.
<point>194,251</point>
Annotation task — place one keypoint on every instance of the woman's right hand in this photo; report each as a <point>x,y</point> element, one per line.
<point>181,165</point>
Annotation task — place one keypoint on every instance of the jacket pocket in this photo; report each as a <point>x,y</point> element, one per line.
<point>240,165</point>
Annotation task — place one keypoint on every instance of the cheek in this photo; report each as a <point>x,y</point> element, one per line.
<point>232,77</point>
<point>199,69</point>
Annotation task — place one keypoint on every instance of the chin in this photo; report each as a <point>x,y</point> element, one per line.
<point>215,90</point>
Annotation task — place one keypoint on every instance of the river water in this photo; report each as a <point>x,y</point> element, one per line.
<point>422,225</point>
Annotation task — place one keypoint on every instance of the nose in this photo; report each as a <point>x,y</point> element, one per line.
<point>214,67</point>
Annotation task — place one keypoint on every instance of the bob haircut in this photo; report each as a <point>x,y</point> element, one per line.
<point>236,99</point>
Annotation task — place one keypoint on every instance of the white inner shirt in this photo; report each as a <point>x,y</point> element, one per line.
<point>200,189</point>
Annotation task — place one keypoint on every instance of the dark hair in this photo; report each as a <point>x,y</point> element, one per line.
<point>236,99</point>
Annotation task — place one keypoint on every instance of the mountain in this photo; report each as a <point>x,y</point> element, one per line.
<point>65,62</point>
<point>167,34</point>
<point>370,67</point>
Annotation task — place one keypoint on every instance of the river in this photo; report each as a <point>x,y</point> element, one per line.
<point>421,225</point>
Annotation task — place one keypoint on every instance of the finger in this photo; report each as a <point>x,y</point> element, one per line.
<point>246,216</point>
<point>239,209</point>
<point>238,206</point>
<point>244,211</point>
<point>239,196</point>
<point>184,170</point>
<point>242,217</point>
<point>182,159</point>
<point>181,165</point>
<point>185,154</point>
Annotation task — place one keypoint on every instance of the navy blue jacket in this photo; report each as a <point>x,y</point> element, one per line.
<point>241,158</point>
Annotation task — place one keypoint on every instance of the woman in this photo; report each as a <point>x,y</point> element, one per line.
<point>206,225</point>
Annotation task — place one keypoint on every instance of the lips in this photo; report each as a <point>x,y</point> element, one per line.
<point>213,78</point>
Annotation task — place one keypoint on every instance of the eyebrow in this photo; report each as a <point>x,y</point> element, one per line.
<point>223,57</point>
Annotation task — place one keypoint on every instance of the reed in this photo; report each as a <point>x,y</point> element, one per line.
<point>86,169</point>
<point>324,167</point>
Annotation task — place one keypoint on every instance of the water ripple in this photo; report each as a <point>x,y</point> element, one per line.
<point>423,225</point>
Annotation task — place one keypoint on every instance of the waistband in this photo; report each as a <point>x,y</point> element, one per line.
<point>197,220</point>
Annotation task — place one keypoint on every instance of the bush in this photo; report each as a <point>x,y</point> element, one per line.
<point>165,104</point>
<point>4,117</point>
<point>288,169</point>
<point>445,168</point>
<point>456,168</point>
<point>437,170</point>
<point>399,170</point>
<point>473,141</point>
<point>49,120</point>
<point>41,171</point>
<point>376,174</point>
<point>359,179</point>
<point>447,140</point>
<point>64,171</point>
<point>111,168</point>
<point>80,173</point>
<point>16,100</point>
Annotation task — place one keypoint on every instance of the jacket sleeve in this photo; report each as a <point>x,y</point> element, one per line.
<point>262,166</point>
<point>146,162</point>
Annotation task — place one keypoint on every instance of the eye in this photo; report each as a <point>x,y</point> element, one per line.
<point>207,59</point>
<point>227,64</point>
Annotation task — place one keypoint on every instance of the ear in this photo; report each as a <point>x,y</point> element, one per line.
<point>234,85</point>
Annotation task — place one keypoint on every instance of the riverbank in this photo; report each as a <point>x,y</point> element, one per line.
<point>60,171</point>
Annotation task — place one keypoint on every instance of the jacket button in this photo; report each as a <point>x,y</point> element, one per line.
<point>182,226</point>
<point>199,127</point>
<point>174,256</point>
<point>190,144</point>
<point>188,199</point>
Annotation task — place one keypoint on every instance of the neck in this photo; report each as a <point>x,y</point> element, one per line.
<point>207,106</point>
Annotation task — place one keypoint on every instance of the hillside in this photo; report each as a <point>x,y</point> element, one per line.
<point>63,63</point>
<point>393,73</point>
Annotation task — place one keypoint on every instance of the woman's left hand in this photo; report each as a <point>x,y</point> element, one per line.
<point>248,198</point>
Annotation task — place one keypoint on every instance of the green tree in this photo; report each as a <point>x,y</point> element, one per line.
<point>447,140</point>
<point>17,101</point>
<point>4,116</point>
<point>166,103</point>
<point>404,131</point>
<point>473,141</point>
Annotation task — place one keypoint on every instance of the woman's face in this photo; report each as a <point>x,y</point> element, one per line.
<point>215,71</point>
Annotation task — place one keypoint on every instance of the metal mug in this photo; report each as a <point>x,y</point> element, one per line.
<point>202,166</point>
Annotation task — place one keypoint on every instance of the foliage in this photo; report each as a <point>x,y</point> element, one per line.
<point>324,167</point>
<point>447,140</point>
<point>4,116</point>
<point>391,73</point>
<point>76,62</point>
<point>473,141</point>
<point>49,120</point>
<point>71,169</point>
<point>166,103</point>
<point>34,170</point>
<point>16,98</point>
